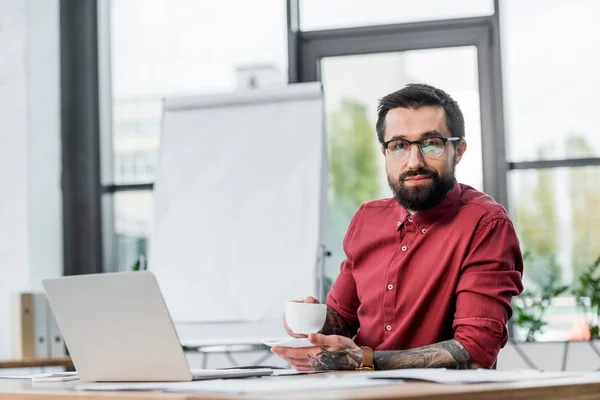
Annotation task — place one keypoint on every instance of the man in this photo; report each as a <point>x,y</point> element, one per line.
<point>429,275</point>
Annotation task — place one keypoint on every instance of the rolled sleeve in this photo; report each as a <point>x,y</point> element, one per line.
<point>343,296</point>
<point>490,277</point>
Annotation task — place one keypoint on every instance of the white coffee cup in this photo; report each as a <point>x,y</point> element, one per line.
<point>305,318</point>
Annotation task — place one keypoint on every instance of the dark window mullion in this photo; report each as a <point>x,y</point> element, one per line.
<point>565,163</point>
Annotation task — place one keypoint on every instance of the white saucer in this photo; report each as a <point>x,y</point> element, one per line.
<point>292,343</point>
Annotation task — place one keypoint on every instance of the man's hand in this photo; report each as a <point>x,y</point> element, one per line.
<point>310,300</point>
<point>334,323</point>
<point>330,352</point>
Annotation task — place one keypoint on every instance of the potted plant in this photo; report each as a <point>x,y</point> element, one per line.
<point>587,297</point>
<point>531,306</point>
<point>529,318</point>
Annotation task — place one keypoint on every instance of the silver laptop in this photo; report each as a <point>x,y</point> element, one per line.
<point>118,329</point>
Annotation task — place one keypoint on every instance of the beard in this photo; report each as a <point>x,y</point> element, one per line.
<point>422,197</point>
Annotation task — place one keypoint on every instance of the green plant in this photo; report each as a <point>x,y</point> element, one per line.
<point>531,306</point>
<point>587,297</point>
<point>327,284</point>
<point>140,263</point>
<point>355,169</point>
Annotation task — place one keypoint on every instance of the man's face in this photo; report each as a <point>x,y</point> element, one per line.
<point>418,182</point>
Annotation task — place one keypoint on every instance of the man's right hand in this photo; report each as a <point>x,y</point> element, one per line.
<point>309,299</point>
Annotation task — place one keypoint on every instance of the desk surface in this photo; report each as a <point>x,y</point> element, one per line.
<point>585,387</point>
<point>34,363</point>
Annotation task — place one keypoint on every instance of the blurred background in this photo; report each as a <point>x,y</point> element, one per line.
<point>549,63</point>
<point>82,84</point>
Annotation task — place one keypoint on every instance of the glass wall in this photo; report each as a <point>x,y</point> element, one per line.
<point>549,61</point>
<point>331,14</point>
<point>356,165</point>
<point>163,48</point>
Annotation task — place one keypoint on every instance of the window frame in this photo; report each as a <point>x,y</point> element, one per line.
<point>88,186</point>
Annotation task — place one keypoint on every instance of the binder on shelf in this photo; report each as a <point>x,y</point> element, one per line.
<point>30,326</point>
<point>40,325</point>
<point>23,331</point>
<point>56,343</point>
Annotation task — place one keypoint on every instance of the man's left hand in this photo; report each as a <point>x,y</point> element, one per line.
<point>330,352</point>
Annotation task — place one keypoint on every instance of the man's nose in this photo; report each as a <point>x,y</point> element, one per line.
<point>415,158</point>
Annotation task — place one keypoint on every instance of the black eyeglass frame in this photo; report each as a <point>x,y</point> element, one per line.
<point>418,142</point>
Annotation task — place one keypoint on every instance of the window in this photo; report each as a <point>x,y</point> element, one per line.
<point>132,218</point>
<point>351,114</point>
<point>557,214</point>
<point>551,79</point>
<point>550,86</point>
<point>329,14</point>
<point>169,48</point>
<point>166,48</point>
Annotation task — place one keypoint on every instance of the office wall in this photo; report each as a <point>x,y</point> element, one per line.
<point>13,160</point>
<point>30,198</point>
<point>43,141</point>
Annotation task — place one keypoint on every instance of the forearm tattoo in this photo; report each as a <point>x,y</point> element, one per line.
<point>337,360</point>
<point>336,325</point>
<point>448,354</point>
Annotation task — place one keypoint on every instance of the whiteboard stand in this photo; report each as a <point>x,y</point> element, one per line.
<point>324,254</point>
<point>240,220</point>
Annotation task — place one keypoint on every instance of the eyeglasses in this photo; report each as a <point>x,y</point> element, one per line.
<point>431,147</point>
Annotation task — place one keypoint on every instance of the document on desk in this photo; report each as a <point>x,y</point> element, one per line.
<point>48,377</point>
<point>452,376</point>
<point>291,372</point>
<point>248,386</point>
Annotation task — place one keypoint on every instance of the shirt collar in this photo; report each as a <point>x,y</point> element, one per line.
<point>424,219</point>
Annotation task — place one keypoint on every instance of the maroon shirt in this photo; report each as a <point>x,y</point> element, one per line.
<point>449,272</point>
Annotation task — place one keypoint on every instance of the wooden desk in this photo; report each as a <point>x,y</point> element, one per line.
<point>580,388</point>
<point>50,362</point>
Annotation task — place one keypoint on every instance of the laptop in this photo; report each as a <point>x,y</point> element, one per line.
<point>118,329</point>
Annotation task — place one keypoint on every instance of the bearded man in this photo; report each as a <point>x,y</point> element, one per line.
<point>429,274</point>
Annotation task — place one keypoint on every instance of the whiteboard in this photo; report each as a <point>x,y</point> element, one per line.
<point>238,202</point>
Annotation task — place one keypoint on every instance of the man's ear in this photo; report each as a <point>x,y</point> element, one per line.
<point>383,150</point>
<point>461,147</point>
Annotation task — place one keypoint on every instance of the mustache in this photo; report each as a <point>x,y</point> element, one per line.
<point>421,171</point>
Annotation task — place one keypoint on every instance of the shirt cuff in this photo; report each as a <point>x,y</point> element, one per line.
<point>482,338</point>
<point>350,319</point>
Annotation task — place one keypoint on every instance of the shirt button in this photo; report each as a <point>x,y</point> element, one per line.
<point>409,219</point>
<point>389,327</point>
<point>423,230</point>
<point>404,248</point>
<point>390,287</point>
<point>399,223</point>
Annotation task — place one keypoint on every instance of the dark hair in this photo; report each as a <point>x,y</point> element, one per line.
<point>417,95</point>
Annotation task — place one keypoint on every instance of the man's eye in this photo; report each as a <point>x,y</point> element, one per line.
<point>398,146</point>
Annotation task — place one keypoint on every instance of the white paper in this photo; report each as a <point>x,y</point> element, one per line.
<point>55,379</point>
<point>245,386</point>
<point>199,374</point>
<point>294,343</point>
<point>237,204</point>
<point>450,376</point>
<point>289,372</point>
<point>55,375</point>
